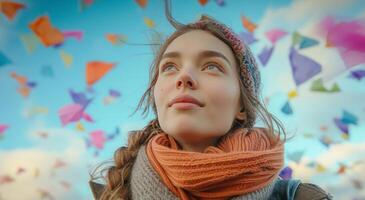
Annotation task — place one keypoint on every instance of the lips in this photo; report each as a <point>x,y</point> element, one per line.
<point>185,99</point>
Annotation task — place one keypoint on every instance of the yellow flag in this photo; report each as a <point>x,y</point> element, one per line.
<point>149,22</point>
<point>79,126</point>
<point>66,58</point>
<point>292,94</point>
<point>320,168</point>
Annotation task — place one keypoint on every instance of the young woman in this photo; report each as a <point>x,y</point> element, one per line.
<point>205,92</point>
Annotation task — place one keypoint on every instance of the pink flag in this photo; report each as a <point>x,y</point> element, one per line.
<point>75,34</point>
<point>71,113</point>
<point>275,34</point>
<point>97,139</point>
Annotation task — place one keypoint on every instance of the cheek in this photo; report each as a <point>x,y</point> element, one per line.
<point>224,96</point>
<point>159,93</point>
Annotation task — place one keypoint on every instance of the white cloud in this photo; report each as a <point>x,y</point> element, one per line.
<point>60,145</point>
<point>299,11</point>
<point>341,186</point>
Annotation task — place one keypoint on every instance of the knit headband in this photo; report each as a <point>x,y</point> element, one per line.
<point>248,68</point>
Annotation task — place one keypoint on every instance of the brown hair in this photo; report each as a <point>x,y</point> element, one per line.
<point>117,176</point>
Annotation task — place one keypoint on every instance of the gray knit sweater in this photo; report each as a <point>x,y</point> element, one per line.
<point>146,183</point>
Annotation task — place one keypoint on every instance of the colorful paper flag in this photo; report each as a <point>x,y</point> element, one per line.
<point>45,32</point>
<point>30,42</point>
<point>4,60</point>
<point>247,37</point>
<point>142,3</point>
<point>358,74</point>
<point>274,35</point>
<point>318,86</point>
<point>116,39</point>
<point>66,58</point>
<point>250,26</point>
<point>97,139</point>
<point>348,35</point>
<point>47,71</point>
<point>303,68</point>
<point>265,55</point>
<point>10,8</point>
<point>203,2</point>
<point>73,34</point>
<point>149,22</point>
<point>95,70</point>
<point>286,109</point>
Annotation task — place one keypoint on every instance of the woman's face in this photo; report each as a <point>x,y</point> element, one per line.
<point>202,66</point>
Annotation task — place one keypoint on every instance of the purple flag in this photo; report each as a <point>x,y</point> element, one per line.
<point>265,55</point>
<point>247,37</point>
<point>303,68</point>
<point>342,126</point>
<point>358,74</point>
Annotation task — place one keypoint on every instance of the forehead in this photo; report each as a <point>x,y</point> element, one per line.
<point>196,41</point>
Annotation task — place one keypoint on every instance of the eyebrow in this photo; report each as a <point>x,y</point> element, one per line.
<point>207,53</point>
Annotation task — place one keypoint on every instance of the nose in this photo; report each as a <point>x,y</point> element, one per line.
<point>186,79</point>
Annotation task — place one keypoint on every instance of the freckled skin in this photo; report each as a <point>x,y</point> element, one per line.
<point>211,80</point>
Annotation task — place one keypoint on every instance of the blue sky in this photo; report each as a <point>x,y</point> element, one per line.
<point>130,77</point>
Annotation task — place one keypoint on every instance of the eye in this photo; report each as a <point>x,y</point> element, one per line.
<point>213,65</point>
<point>167,66</point>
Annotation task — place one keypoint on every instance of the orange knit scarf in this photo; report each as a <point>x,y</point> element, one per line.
<point>244,161</point>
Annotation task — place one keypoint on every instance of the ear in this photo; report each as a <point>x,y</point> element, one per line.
<point>241,115</point>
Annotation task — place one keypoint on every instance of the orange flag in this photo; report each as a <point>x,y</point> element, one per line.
<point>142,3</point>
<point>248,24</point>
<point>203,2</point>
<point>10,8</point>
<point>46,33</point>
<point>95,70</point>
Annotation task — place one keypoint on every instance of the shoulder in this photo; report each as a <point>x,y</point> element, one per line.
<point>311,191</point>
<point>294,189</point>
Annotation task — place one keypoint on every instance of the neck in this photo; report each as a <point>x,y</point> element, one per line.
<point>196,145</point>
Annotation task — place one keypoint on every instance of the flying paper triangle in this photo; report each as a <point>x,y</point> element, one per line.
<point>10,8</point>
<point>116,39</point>
<point>83,4</point>
<point>250,26</point>
<point>265,54</point>
<point>247,37</point>
<point>47,34</point>
<point>220,2</point>
<point>358,74</point>
<point>98,139</point>
<point>274,35</point>
<point>307,42</point>
<point>95,70</point>
<point>318,86</point>
<point>149,22</point>
<point>70,113</point>
<point>351,58</point>
<point>4,60</point>
<point>79,98</point>
<point>73,34</point>
<point>341,125</point>
<point>142,3</point>
<point>30,42</point>
<point>287,108</point>
<point>349,35</point>
<point>79,126</point>
<point>349,118</point>
<point>66,58</point>
<point>292,94</point>
<point>47,71</point>
<point>303,68</point>
<point>203,2</point>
